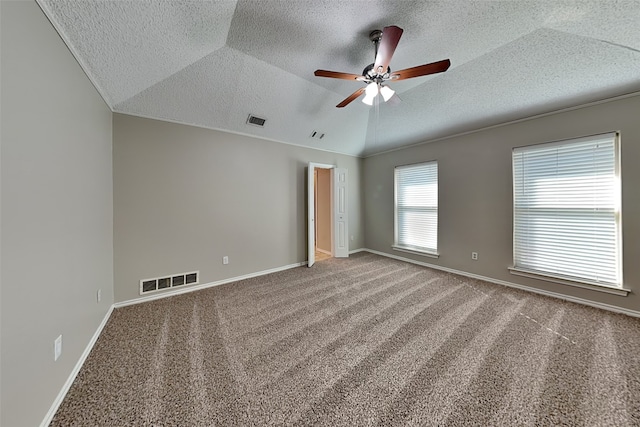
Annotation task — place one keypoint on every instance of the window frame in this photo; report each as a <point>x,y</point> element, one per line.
<point>572,280</point>
<point>403,247</point>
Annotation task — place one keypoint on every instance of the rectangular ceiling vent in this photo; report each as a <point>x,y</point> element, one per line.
<point>166,282</point>
<point>256,121</point>
<point>316,134</point>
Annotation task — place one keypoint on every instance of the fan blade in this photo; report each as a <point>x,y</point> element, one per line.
<point>421,70</point>
<point>337,75</point>
<point>351,97</point>
<point>390,38</point>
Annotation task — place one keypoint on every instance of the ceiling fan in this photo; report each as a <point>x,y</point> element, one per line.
<point>376,74</point>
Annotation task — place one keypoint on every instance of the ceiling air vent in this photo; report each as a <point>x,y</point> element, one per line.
<point>256,121</point>
<point>316,134</point>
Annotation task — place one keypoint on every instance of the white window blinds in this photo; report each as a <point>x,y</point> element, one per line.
<point>566,215</point>
<point>416,207</point>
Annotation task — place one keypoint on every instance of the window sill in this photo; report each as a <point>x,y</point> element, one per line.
<point>415,251</point>
<point>563,281</point>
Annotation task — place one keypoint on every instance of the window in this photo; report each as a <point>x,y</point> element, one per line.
<point>566,210</point>
<point>416,208</point>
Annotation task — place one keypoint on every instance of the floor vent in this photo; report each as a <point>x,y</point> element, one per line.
<point>165,282</point>
<point>256,121</point>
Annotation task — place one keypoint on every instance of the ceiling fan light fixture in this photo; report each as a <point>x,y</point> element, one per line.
<point>368,99</point>
<point>370,93</point>
<point>372,89</point>
<point>386,92</point>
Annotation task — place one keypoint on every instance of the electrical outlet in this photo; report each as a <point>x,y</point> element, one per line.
<point>225,260</point>
<point>99,295</point>
<point>353,238</point>
<point>57,348</point>
<point>474,256</point>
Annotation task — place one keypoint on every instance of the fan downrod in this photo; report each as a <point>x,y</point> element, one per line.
<point>375,36</point>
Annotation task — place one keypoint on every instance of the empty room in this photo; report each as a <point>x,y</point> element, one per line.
<point>267,212</point>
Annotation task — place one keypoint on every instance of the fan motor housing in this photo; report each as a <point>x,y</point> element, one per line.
<point>370,74</point>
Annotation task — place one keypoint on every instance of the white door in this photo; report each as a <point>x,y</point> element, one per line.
<point>340,214</point>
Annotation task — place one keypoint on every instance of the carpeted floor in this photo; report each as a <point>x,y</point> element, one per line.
<point>360,341</point>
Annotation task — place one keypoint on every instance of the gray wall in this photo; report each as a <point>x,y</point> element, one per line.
<point>57,212</point>
<point>475,194</point>
<point>184,197</point>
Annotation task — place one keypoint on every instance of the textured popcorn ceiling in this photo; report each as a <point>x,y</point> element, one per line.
<point>212,63</point>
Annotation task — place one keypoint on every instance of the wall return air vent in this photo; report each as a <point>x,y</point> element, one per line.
<point>256,121</point>
<point>166,282</point>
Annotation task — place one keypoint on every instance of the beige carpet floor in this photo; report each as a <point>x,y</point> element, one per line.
<point>360,341</point>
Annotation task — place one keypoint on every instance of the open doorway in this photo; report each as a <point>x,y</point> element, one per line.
<point>338,244</point>
<point>324,235</point>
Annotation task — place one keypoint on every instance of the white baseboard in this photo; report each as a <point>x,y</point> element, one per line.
<point>577,300</point>
<point>74,373</point>
<point>355,251</point>
<point>171,292</point>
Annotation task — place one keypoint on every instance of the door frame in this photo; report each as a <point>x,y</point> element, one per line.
<point>311,211</point>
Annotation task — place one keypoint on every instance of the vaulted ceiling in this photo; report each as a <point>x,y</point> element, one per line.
<point>212,63</point>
